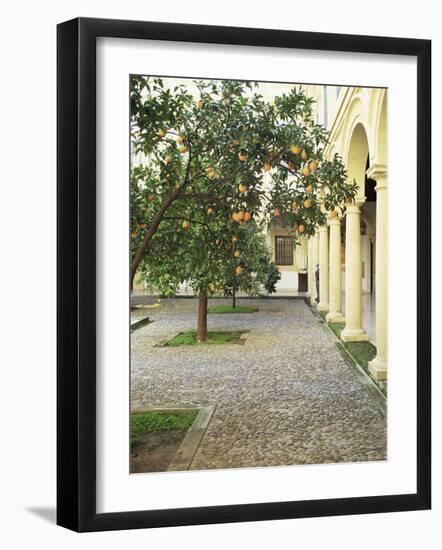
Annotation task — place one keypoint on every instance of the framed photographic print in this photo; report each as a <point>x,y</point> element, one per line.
<point>243,315</point>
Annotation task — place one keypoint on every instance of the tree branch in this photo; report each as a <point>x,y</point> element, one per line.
<point>157,219</point>
<point>185,218</point>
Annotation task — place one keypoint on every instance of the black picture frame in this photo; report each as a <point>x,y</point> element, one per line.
<point>76,274</point>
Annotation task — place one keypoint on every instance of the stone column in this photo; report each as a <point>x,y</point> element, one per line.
<point>335,314</point>
<point>378,366</point>
<point>323,268</point>
<point>353,331</point>
<point>314,262</point>
<point>310,272</point>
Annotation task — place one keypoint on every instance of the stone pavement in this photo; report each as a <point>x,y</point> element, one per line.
<point>285,397</point>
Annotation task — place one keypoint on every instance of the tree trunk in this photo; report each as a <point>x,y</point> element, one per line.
<point>201,334</point>
<point>233,298</point>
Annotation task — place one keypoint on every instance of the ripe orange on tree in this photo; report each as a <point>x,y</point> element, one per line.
<point>295,149</point>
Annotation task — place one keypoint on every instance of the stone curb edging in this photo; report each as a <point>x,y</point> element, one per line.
<point>182,459</point>
<point>364,379</point>
<point>134,325</point>
<point>370,386</point>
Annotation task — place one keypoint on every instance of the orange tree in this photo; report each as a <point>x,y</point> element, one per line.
<point>248,260</point>
<point>212,255</point>
<point>216,152</point>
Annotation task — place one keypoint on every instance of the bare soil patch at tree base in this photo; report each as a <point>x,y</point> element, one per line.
<point>155,451</point>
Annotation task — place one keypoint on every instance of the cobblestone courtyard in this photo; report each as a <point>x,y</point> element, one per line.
<point>285,397</point>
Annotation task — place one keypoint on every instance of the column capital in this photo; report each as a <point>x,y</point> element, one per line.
<point>377,171</point>
<point>355,206</point>
<point>334,221</point>
<point>322,228</point>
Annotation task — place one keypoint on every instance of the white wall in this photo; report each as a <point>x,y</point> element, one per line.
<point>288,284</point>
<point>27,218</point>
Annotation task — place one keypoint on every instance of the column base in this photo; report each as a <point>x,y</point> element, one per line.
<point>313,301</point>
<point>377,367</point>
<point>335,317</point>
<point>354,335</point>
<point>323,307</point>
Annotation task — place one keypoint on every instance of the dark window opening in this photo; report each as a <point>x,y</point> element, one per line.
<point>369,191</point>
<point>283,250</point>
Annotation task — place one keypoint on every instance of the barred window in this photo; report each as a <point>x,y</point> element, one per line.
<point>283,251</point>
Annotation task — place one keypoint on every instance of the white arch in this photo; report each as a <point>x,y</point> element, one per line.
<point>356,157</point>
<point>356,113</point>
<point>365,108</point>
<point>381,129</point>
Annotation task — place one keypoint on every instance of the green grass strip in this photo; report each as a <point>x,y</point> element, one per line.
<point>151,422</point>
<point>230,309</point>
<point>337,328</point>
<point>219,337</point>
<point>363,352</point>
